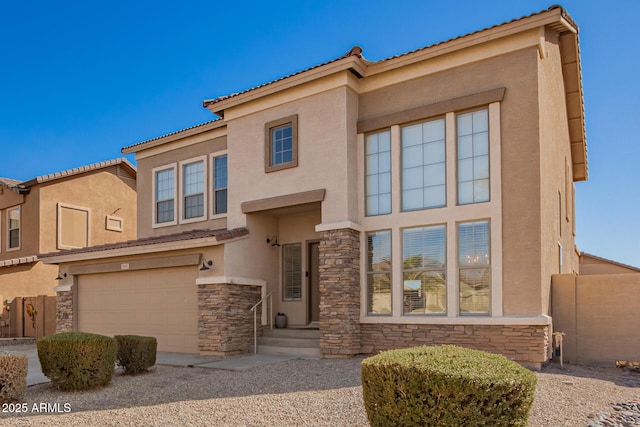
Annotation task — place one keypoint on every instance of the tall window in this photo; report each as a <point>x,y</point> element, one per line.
<point>424,270</point>
<point>281,144</point>
<point>292,272</point>
<point>473,157</point>
<point>378,173</point>
<point>474,265</point>
<point>379,272</point>
<point>193,190</point>
<point>165,193</point>
<point>13,237</point>
<point>219,185</point>
<point>423,165</point>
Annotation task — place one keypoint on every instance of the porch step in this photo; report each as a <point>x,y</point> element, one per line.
<point>290,342</point>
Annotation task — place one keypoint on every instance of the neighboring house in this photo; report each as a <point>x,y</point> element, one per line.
<point>591,264</point>
<point>89,205</point>
<point>426,198</point>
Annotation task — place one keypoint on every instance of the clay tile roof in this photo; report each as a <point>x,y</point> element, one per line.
<point>7,182</point>
<point>219,235</point>
<point>129,147</point>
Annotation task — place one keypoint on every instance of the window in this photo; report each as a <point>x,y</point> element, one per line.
<point>292,272</point>
<point>219,166</point>
<point>13,235</point>
<point>424,270</point>
<point>73,226</point>
<point>165,195</point>
<point>473,157</point>
<point>378,173</point>
<point>193,190</point>
<point>281,144</point>
<point>423,165</point>
<point>379,272</point>
<point>473,264</point>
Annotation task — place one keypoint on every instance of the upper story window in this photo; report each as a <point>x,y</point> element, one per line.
<point>164,182</point>
<point>423,165</point>
<point>473,157</point>
<point>13,235</point>
<point>193,190</point>
<point>219,165</point>
<point>281,144</point>
<point>73,226</point>
<point>378,173</point>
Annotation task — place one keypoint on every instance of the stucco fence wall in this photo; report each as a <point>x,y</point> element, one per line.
<point>600,315</point>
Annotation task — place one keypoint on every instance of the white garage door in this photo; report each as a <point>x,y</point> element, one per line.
<point>160,303</point>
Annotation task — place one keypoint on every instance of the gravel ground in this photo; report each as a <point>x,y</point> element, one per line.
<point>323,392</point>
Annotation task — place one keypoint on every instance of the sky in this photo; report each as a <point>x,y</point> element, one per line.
<point>79,80</point>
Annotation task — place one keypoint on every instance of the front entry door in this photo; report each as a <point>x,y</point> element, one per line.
<point>314,282</point>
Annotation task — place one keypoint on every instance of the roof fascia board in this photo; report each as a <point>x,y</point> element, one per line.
<point>138,250</point>
<point>347,63</point>
<point>173,137</point>
<point>185,141</point>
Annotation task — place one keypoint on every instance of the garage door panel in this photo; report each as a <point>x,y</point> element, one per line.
<point>161,303</point>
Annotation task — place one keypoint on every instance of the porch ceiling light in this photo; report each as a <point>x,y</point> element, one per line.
<point>273,241</point>
<point>206,264</point>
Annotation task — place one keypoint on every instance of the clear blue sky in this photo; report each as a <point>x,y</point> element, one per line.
<point>81,79</point>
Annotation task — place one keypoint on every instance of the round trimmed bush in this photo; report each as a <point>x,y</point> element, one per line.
<point>446,385</point>
<point>77,360</point>
<point>136,354</point>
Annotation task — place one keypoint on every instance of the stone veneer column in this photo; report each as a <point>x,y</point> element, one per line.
<point>225,319</point>
<point>64,309</point>
<point>340,293</point>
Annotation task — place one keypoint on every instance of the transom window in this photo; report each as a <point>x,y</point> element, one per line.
<point>378,173</point>
<point>424,270</point>
<point>193,190</point>
<point>473,157</point>
<point>13,237</point>
<point>281,144</point>
<point>219,185</point>
<point>423,165</point>
<point>379,272</point>
<point>165,193</point>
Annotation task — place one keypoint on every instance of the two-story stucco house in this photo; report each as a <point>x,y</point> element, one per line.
<point>422,199</point>
<point>93,204</point>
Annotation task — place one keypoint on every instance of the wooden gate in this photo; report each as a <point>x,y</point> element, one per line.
<point>31,317</point>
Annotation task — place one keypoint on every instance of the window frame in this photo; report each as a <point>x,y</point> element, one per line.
<point>473,157</point>
<point>212,180</point>
<point>370,272</point>
<point>268,146</point>
<point>181,190</point>
<point>9,229</point>
<point>377,174</point>
<point>154,214</point>
<point>488,266</point>
<point>59,231</point>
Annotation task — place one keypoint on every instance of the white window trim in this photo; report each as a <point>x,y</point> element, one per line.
<point>205,190</point>
<point>212,172</point>
<point>453,213</point>
<point>154,221</point>
<point>59,225</point>
<point>8,224</point>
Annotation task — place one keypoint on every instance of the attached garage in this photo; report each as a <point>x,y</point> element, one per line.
<point>162,303</point>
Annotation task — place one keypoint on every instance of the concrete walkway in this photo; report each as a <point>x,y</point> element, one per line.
<point>235,363</point>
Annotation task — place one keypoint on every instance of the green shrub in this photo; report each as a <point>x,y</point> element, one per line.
<point>13,376</point>
<point>446,386</point>
<point>136,354</point>
<point>77,360</point>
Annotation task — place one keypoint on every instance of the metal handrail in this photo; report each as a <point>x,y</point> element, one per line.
<point>255,319</point>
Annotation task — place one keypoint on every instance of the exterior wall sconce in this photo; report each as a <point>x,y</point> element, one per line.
<point>206,263</point>
<point>61,276</point>
<point>273,241</point>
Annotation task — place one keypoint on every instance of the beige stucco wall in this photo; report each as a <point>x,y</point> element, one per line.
<point>27,280</point>
<point>599,314</point>
<point>593,265</point>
